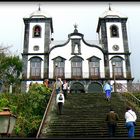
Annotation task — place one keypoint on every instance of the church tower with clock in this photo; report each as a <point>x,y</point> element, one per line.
<point>37,40</point>
<point>112,34</point>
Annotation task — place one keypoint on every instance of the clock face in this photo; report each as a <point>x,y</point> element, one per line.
<point>36,48</point>
<point>115,47</point>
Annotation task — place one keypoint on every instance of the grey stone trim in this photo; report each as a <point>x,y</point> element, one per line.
<point>36,20</point>
<point>46,66</point>
<point>26,38</point>
<point>127,64</point>
<point>24,70</point>
<point>124,34</point>
<point>47,38</point>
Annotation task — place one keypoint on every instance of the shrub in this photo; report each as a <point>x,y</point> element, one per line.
<point>28,107</point>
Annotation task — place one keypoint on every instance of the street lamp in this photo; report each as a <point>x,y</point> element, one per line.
<point>113,65</point>
<point>56,65</point>
<point>7,122</point>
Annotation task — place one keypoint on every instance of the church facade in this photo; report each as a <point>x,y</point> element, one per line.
<point>85,64</point>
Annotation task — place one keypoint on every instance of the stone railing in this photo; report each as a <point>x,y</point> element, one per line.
<point>132,87</point>
<point>46,116</point>
<point>128,91</point>
<point>131,100</point>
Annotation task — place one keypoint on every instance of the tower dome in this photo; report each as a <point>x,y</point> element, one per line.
<point>38,14</point>
<point>112,14</point>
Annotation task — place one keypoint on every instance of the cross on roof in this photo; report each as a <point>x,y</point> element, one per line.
<point>110,6</point>
<point>39,7</point>
<point>75,25</point>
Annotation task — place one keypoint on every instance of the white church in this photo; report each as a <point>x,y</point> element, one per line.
<point>86,65</point>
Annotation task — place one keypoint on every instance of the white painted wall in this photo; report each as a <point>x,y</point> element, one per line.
<point>86,52</point>
<point>114,41</point>
<point>36,41</point>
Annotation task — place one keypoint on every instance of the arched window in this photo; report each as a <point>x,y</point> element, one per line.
<point>94,67</point>
<point>76,67</point>
<point>37,31</point>
<point>35,67</point>
<point>114,31</point>
<point>118,66</point>
<point>59,66</point>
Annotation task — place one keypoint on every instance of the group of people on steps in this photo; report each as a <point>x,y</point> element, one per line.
<point>112,117</point>
<point>61,93</point>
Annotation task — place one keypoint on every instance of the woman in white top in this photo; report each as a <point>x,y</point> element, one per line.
<point>60,102</point>
<point>130,117</point>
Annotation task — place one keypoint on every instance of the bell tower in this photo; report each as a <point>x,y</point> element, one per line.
<point>37,39</point>
<point>112,33</point>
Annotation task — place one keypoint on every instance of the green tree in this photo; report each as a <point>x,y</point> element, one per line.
<point>12,68</point>
<point>3,55</point>
<point>2,59</point>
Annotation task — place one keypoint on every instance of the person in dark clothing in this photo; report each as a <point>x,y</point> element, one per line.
<point>65,88</point>
<point>112,119</point>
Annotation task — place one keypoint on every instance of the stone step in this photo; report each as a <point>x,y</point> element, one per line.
<point>84,117</point>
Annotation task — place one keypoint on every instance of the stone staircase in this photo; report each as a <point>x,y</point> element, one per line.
<point>84,117</point>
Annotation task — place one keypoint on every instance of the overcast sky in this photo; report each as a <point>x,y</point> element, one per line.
<point>65,15</point>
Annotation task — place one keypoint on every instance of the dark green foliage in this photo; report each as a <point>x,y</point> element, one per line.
<point>39,88</point>
<point>137,95</point>
<point>10,72</point>
<point>28,107</point>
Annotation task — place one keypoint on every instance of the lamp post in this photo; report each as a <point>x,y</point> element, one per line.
<point>113,65</point>
<point>56,65</point>
<point>7,122</point>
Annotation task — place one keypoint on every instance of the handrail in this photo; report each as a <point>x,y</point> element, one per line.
<point>131,98</point>
<point>45,113</point>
